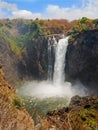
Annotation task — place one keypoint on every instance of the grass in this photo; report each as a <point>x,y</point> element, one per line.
<point>18,102</point>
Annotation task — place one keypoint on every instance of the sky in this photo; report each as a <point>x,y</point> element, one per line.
<point>49,9</point>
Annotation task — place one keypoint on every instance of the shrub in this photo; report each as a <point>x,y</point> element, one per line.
<point>18,102</point>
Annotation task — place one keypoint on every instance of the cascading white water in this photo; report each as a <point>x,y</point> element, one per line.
<point>51,48</point>
<point>55,87</point>
<point>60,61</point>
<point>49,75</point>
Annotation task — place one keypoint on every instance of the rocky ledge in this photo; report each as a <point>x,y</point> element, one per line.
<point>82,114</point>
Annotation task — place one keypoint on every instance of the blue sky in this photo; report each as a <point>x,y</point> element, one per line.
<point>52,9</point>
<point>40,5</point>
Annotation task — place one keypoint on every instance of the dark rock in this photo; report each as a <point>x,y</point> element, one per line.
<point>87,106</point>
<point>36,58</point>
<point>0,65</point>
<point>31,64</point>
<point>82,59</point>
<point>83,118</point>
<point>76,100</point>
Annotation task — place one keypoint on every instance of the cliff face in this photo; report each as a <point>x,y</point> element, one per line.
<point>29,64</point>
<point>32,63</point>
<point>9,61</point>
<point>12,115</point>
<point>23,47</point>
<point>82,59</point>
<point>36,58</point>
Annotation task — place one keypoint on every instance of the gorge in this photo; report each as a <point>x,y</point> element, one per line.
<point>55,92</point>
<point>47,71</point>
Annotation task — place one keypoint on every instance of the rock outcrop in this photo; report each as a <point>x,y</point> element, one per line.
<point>82,114</point>
<point>12,115</point>
<point>82,59</point>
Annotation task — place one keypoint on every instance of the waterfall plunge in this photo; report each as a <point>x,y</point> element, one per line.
<point>60,61</point>
<point>57,87</point>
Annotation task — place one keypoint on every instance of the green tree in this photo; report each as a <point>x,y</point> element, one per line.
<point>83,20</point>
<point>95,22</point>
<point>35,29</point>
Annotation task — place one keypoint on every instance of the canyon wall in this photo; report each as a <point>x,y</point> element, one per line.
<point>82,59</point>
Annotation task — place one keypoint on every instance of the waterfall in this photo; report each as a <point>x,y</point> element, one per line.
<point>49,60</point>
<point>55,85</point>
<point>51,54</point>
<point>60,61</point>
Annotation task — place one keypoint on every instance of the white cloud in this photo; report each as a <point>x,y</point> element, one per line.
<point>5,5</point>
<point>89,8</point>
<point>8,10</point>
<point>25,14</point>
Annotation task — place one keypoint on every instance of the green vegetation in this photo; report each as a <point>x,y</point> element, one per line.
<point>18,102</point>
<point>84,118</point>
<point>82,25</point>
<point>95,22</point>
<point>5,34</point>
<point>88,117</point>
<point>14,47</point>
<point>19,33</point>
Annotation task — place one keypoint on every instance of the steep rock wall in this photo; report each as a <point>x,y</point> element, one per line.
<point>82,59</point>
<point>36,58</point>
<point>32,64</point>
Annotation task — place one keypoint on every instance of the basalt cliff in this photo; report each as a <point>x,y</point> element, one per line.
<point>82,59</point>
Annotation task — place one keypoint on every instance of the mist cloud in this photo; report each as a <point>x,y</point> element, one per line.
<point>46,89</point>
